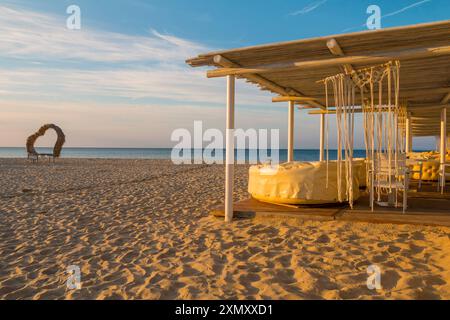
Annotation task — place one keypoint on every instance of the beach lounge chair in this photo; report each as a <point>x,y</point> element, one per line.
<point>391,177</point>
<point>443,176</point>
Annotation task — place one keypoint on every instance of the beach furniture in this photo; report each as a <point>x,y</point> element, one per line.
<point>389,177</point>
<point>444,175</point>
<point>33,155</point>
<point>427,170</point>
<point>415,170</point>
<point>298,183</point>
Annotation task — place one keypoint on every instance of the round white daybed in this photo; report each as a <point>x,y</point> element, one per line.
<point>300,183</point>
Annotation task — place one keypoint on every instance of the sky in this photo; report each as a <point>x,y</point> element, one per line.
<point>121,80</point>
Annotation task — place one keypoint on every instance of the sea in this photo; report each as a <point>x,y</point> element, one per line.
<point>166,153</point>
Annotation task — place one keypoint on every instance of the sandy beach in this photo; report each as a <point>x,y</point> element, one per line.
<point>140,229</point>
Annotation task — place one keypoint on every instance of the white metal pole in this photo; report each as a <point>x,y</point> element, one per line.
<point>322,137</point>
<point>443,142</point>
<point>291,125</point>
<point>443,147</point>
<point>411,136</point>
<point>408,134</point>
<point>229,151</point>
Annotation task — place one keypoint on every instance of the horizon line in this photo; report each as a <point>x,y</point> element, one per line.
<point>331,149</point>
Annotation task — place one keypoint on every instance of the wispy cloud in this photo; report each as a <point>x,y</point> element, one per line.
<point>131,67</point>
<point>27,33</point>
<point>406,8</point>
<point>164,83</point>
<point>310,7</point>
<point>394,13</point>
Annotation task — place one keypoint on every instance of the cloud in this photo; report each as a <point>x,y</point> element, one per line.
<point>168,83</point>
<point>177,42</point>
<point>391,14</point>
<point>27,33</point>
<point>310,7</point>
<point>110,65</point>
<point>406,8</point>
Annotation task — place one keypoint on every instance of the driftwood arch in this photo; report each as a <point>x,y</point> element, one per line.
<point>59,141</point>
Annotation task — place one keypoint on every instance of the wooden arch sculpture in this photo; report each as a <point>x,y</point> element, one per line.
<point>58,145</point>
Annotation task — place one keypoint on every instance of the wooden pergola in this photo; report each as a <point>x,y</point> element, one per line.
<point>292,70</point>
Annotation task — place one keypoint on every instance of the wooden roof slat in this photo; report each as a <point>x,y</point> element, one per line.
<point>369,58</point>
<point>412,33</point>
<point>424,76</point>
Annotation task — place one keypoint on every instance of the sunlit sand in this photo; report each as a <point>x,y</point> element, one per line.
<point>140,229</point>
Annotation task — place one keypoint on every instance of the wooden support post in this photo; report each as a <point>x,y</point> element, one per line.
<point>291,124</point>
<point>229,161</point>
<point>322,137</point>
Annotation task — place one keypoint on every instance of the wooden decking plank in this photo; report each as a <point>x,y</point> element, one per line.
<point>254,208</point>
<point>390,218</point>
<point>423,211</point>
<point>428,195</point>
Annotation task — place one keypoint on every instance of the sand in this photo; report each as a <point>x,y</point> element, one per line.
<point>140,229</point>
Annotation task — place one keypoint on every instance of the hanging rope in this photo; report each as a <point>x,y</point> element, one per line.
<point>344,90</point>
<point>384,128</point>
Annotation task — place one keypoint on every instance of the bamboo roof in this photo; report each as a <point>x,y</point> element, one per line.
<point>293,69</point>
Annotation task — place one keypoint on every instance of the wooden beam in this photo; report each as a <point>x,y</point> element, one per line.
<point>292,98</point>
<point>432,116</point>
<point>336,50</point>
<point>362,59</point>
<point>426,127</point>
<point>357,110</point>
<point>427,107</point>
<point>426,123</point>
<point>319,112</point>
<point>446,98</point>
<point>436,131</point>
<point>426,134</point>
<point>226,63</point>
<point>412,93</point>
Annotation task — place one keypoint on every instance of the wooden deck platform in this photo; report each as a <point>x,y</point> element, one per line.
<point>425,208</point>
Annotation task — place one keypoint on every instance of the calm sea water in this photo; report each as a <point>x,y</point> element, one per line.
<point>155,153</point>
